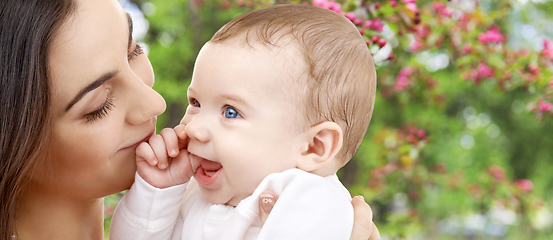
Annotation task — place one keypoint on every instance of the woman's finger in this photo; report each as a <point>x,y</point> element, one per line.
<point>363,226</point>
<point>267,201</point>
<point>375,235</point>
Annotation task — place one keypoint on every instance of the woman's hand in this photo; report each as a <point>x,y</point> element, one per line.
<point>363,226</point>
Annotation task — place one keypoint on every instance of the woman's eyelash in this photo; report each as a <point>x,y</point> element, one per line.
<point>137,51</point>
<point>102,111</point>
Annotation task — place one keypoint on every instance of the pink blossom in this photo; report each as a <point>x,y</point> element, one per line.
<point>407,71</point>
<point>415,45</point>
<point>362,31</point>
<point>485,71</point>
<point>545,106</point>
<point>463,18</point>
<point>332,5</point>
<point>375,39</point>
<point>368,24</point>
<point>390,167</point>
<point>350,16</point>
<point>409,1</point>
<point>497,172</point>
<point>547,49</point>
<point>382,42</point>
<point>412,7</point>
<point>492,35</point>
<point>421,133</point>
<point>533,69</point>
<point>393,3</point>
<point>551,84</point>
<point>467,48</point>
<point>481,72</point>
<point>446,12</point>
<point>442,9</point>
<point>525,52</point>
<point>402,80</point>
<point>422,31</point>
<point>525,185</point>
<point>319,3</point>
<point>438,6</point>
<point>375,24</point>
<point>401,83</point>
<point>336,7</point>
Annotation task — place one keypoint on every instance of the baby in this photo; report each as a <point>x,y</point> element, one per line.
<point>280,99</point>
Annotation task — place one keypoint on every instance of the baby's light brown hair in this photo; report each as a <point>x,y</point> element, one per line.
<point>342,78</point>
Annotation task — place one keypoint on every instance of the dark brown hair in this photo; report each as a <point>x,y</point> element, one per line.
<point>26,31</point>
<point>342,78</point>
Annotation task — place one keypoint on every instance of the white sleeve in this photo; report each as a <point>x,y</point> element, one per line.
<point>308,207</point>
<point>146,212</point>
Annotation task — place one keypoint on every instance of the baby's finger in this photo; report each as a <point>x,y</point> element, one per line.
<point>181,168</point>
<point>158,146</point>
<point>145,153</point>
<point>171,141</point>
<point>181,134</point>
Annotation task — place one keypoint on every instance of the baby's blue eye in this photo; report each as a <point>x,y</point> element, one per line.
<point>231,113</point>
<point>195,103</point>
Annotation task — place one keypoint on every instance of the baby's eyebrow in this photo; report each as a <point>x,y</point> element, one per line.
<point>234,98</point>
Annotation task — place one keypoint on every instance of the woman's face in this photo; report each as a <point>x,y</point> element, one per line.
<point>103,104</point>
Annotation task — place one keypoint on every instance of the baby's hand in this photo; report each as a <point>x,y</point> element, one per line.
<point>163,161</point>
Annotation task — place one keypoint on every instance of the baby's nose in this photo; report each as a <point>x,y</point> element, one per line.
<point>197,130</point>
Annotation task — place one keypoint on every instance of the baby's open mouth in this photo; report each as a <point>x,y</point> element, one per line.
<point>207,171</point>
<point>209,167</point>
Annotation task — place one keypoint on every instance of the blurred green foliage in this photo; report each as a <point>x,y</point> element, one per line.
<point>451,148</point>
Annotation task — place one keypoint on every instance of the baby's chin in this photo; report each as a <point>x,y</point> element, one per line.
<point>213,198</point>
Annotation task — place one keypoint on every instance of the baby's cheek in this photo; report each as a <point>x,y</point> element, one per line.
<point>187,115</point>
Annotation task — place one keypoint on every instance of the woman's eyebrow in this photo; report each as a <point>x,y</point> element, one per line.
<point>101,80</point>
<point>129,20</point>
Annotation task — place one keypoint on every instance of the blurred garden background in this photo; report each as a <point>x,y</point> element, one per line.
<point>460,145</point>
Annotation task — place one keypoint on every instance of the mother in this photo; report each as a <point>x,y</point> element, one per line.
<point>76,99</point>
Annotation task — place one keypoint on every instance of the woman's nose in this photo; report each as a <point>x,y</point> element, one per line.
<point>197,129</point>
<point>145,102</point>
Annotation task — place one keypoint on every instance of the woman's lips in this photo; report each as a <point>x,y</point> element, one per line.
<point>138,143</point>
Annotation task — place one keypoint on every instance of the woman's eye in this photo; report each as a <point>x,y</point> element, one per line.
<point>137,51</point>
<point>102,111</point>
<point>230,112</point>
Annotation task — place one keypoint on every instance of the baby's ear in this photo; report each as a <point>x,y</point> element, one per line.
<point>323,142</point>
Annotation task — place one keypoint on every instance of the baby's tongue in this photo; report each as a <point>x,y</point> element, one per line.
<point>210,167</point>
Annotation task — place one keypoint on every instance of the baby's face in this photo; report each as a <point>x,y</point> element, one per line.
<point>243,118</point>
